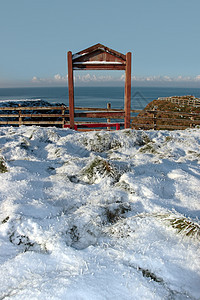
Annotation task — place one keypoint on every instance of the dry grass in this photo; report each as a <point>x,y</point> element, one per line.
<point>3,167</point>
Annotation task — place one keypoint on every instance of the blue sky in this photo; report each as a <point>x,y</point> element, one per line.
<point>163,37</point>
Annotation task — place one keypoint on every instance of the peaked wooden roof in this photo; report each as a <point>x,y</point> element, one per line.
<point>99,57</point>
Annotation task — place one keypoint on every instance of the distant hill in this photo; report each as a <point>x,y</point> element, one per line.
<point>168,113</point>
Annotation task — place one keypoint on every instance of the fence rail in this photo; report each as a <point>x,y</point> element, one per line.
<point>55,115</point>
<point>28,115</point>
<point>157,119</point>
<point>59,116</point>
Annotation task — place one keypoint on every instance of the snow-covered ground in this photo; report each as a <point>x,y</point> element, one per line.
<point>99,215</point>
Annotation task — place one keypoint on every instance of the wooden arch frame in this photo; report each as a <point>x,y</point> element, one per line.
<point>100,57</point>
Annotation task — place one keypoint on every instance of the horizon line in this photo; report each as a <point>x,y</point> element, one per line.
<point>99,86</point>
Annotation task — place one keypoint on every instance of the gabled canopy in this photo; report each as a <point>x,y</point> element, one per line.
<point>99,57</point>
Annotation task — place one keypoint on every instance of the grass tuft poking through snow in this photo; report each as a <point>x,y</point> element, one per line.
<point>115,211</point>
<point>184,226</point>
<point>99,168</point>
<point>100,142</point>
<point>3,167</point>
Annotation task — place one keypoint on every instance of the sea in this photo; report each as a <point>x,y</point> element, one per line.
<point>95,96</point>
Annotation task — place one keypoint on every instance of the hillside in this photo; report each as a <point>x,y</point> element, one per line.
<point>164,114</point>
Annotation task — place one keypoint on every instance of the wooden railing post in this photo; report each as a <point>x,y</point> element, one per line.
<point>127,104</point>
<point>63,116</point>
<point>108,120</point>
<point>70,89</point>
<point>192,119</point>
<point>154,118</point>
<point>20,116</point>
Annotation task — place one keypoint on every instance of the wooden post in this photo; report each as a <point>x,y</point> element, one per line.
<point>127,104</point>
<point>70,89</point>
<point>154,120</point>
<point>20,116</point>
<point>63,116</point>
<point>117,126</point>
<point>108,120</point>
<point>154,117</point>
<point>191,118</point>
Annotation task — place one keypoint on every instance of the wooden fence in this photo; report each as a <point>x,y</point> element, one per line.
<point>26,115</point>
<point>59,116</point>
<point>165,120</point>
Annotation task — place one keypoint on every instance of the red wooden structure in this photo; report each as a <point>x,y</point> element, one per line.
<point>92,125</point>
<point>100,57</point>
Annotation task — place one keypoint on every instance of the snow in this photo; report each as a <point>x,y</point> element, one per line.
<point>96,62</point>
<point>2,101</point>
<point>96,215</point>
<point>77,55</point>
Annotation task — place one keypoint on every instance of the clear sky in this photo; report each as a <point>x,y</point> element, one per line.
<point>163,36</point>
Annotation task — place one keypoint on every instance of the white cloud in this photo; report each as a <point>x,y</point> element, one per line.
<point>197,78</point>
<point>34,79</point>
<point>57,78</point>
<point>166,78</point>
<point>85,78</point>
<point>93,78</point>
<point>122,78</point>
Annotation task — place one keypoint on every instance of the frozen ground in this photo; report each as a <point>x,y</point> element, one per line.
<point>100,215</point>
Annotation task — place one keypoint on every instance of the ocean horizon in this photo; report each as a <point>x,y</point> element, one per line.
<point>95,96</point>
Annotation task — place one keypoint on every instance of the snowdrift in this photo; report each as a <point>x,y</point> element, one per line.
<point>99,215</point>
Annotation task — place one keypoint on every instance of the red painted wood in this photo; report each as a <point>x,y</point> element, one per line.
<point>127,105</point>
<point>102,114</point>
<point>99,47</point>
<point>99,57</point>
<point>100,66</point>
<point>117,126</point>
<point>92,125</point>
<point>70,89</point>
